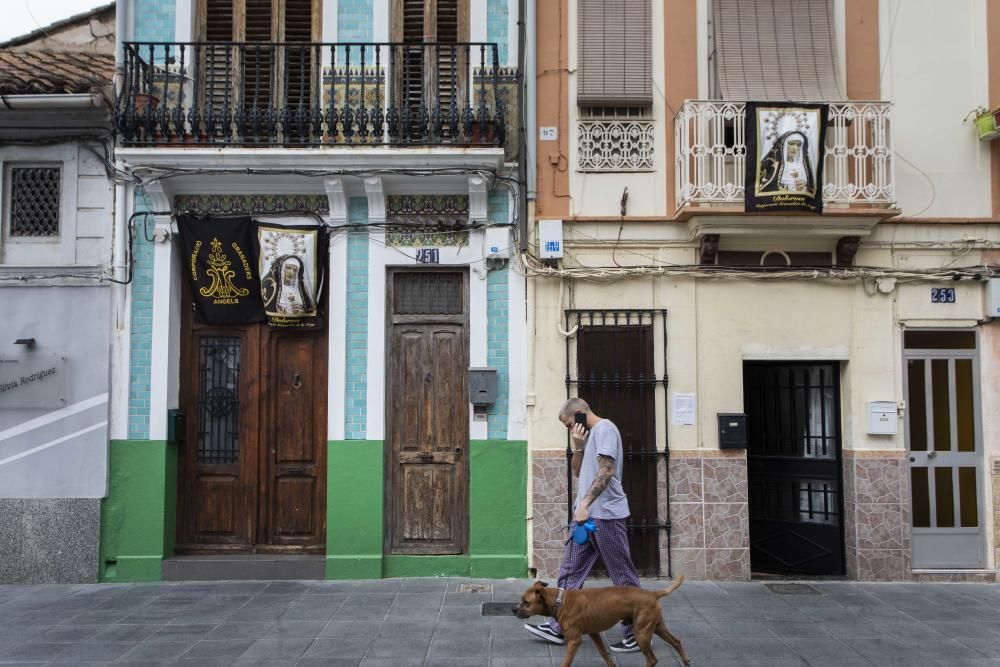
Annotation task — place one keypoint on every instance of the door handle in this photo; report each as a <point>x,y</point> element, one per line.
<point>932,455</point>
<point>297,380</point>
<point>458,451</point>
<point>913,459</point>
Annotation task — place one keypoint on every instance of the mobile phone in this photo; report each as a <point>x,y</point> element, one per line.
<point>580,418</point>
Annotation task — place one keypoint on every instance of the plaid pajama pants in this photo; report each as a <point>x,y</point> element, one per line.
<point>612,546</point>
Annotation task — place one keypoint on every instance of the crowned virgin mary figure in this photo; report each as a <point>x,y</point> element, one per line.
<point>786,166</point>
<point>284,288</point>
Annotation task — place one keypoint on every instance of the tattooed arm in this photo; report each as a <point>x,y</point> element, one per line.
<point>605,471</point>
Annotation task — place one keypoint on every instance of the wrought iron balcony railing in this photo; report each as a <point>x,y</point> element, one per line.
<point>710,154</point>
<point>344,94</point>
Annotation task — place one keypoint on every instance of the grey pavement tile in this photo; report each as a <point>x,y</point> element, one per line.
<point>145,615</point>
<point>856,629</point>
<point>439,661</point>
<point>392,662</point>
<point>840,661</point>
<point>157,651</point>
<point>297,629</point>
<point>989,647</point>
<point>874,647</point>
<point>69,633</point>
<point>30,651</point>
<point>287,587</point>
<point>524,647</point>
<point>427,599</point>
<point>401,629</point>
<point>937,649</point>
<point>459,645</point>
<point>349,629</point>
<point>358,613</point>
<point>256,614</point>
<point>96,650</point>
<point>797,629</point>
<point>332,587</point>
<point>461,614</point>
<point>340,647</point>
<point>967,628</point>
<point>328,662</point>
<point>240,630</point>
<point>386,647</point>
<point>222,661</point>
<point>95,617</point>
<point>520,662</point>
<point>774,662</point>
<point>818,647</point>
<point>739,629</point>
<point>181,632</point>
<point>699,628</point>
<point>365,598</point>
<point>244,661</point>
<point>217,648</point>
<point>126,633</point>
<point>466,599</point>
<point>281,647</point>
<point>759,647</point>
<point>411,613</point>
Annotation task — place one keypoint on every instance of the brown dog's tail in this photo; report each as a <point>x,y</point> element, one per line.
<point>667,591</point>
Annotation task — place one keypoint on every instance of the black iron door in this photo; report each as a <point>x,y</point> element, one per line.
<point>616,376</point>
<point>793,461</point>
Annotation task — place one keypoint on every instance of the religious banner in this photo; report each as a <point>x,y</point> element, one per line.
<point>220,258</point>
<point>784,159</point>
<point>291,259</point>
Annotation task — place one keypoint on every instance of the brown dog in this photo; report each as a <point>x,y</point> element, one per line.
<point>593,610</point>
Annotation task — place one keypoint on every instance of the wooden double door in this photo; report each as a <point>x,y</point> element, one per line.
<point>252,463</point>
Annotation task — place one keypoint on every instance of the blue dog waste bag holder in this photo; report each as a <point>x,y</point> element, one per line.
<point>581,534</point>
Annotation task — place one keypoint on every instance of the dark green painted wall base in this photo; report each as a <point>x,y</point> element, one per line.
<point>138,516</point>
<point>498,478</point>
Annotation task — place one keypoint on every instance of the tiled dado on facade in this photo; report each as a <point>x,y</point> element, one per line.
<point>708,510</point>
<point>876,515</point>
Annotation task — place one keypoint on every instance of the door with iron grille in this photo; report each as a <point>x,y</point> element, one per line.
<point>794,467</point>
<point>427,412</point>
<point>615,374</point>
<point>252,462</point>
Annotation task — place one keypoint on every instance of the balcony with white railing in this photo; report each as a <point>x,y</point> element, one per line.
<point>711,153</point>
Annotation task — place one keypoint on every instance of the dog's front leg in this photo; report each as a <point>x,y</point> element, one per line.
<point>602,649</point>
<point>572,644</point>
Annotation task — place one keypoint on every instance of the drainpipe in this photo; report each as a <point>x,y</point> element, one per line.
<point>526,107</point>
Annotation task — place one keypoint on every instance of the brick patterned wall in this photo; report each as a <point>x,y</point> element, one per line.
<point>154,20</point>
<point>141,339</point>
<point>356,376</point>
<point>497,25</point>
<point>497,331</point>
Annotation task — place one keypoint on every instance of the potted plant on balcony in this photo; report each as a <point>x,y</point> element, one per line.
<point>987,122</point>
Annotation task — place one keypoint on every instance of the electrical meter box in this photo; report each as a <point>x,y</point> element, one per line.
<point>992,305</point>
<point>498,242</point>
<point>882,418</point>
<point>550,239</point>
<point>482,386</point>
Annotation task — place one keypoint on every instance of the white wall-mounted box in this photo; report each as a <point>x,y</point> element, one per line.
<point>550,239</point>
<point>498,242</point>
<point>992,297</point>
<point>882,418</point>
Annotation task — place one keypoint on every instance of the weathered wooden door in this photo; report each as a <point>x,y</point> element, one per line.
<point>252,463</point>
<point>427,410</point>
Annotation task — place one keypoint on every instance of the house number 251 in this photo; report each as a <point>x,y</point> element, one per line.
<point>942,295</point>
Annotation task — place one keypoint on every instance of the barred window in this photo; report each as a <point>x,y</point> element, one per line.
<point>34,201</point>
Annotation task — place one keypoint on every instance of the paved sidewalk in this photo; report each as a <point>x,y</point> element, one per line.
<point>440,622</point>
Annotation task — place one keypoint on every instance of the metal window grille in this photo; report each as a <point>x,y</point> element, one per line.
<point>219,400</point>
<point>428,293</point>
<point>615,139</point>
<point>34,201</point>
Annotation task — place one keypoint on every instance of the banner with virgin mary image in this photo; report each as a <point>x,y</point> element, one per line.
<point>291,260</point>
<point>220,259</point>
<point>784,160</point>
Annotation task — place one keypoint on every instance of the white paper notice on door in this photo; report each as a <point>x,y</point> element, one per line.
<point>683,409</point>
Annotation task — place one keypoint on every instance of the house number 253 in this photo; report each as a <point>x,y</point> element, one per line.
<point>942,295</point>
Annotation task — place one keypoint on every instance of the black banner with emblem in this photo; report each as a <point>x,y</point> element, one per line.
<point>220,258</point>
<point>291,263</point>
<point>784,160</point>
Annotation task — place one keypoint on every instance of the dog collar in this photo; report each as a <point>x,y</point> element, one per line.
<point>558,604</point>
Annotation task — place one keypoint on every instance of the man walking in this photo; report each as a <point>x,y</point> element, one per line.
<point>597,459</point>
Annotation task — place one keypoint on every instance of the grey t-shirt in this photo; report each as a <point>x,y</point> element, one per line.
<point>604,439</point>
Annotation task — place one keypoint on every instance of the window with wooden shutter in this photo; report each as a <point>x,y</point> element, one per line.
<point>775,50</point>
<point>431,72</point>
<point>614,53</point>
